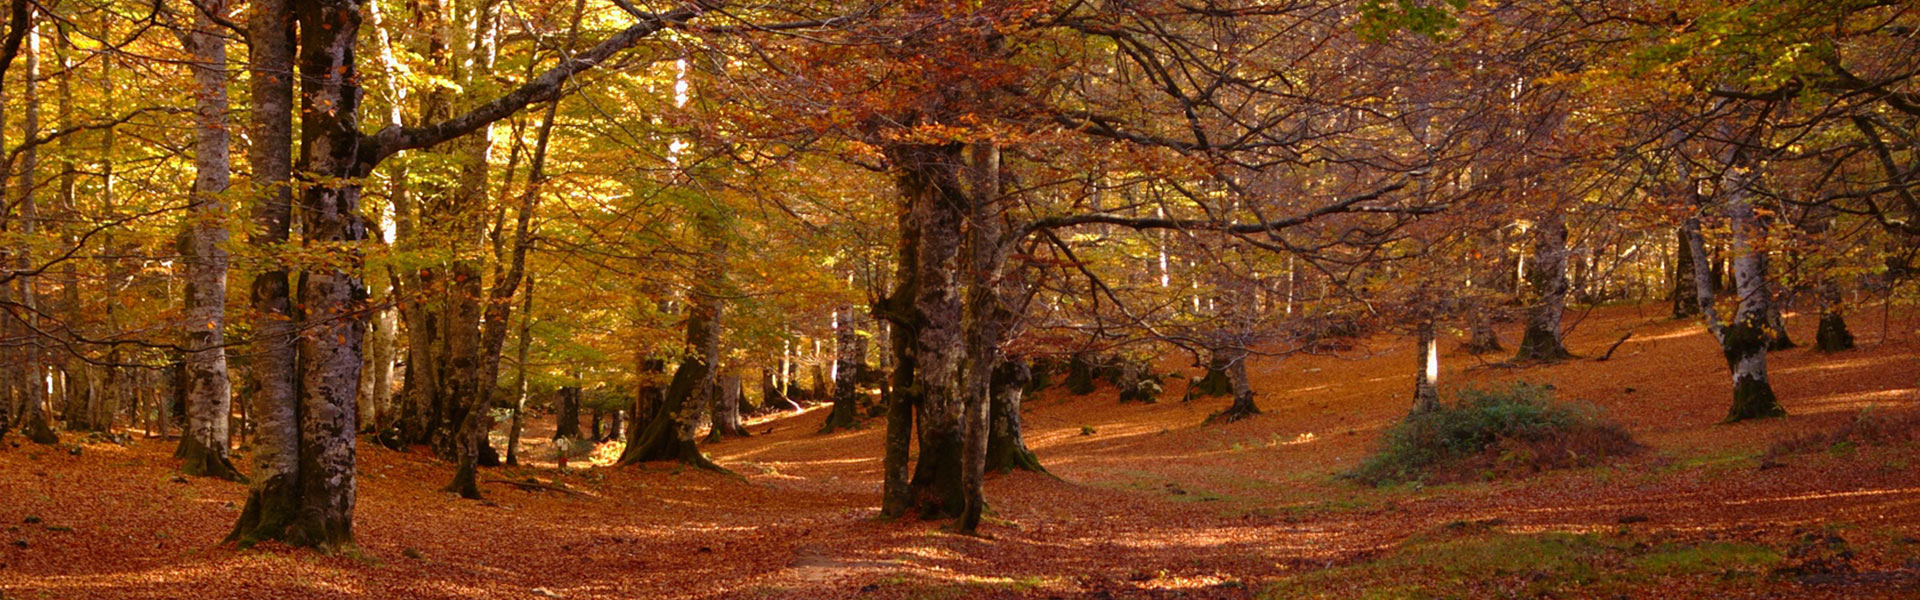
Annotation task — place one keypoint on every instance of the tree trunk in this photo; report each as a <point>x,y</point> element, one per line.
<point>1833,335</point>
<point>1006,444</point>
<point>520,374</point>
<point>304,491</point>
<point>1685,306</point>
<point>204,443</point>
<point>902,399</point>
<point>1426,395</point>
<point>726,409</point>
<point>1215,383</point>
<point>929,178</point>
<point>771,399</point>
<point>567,414</point>
<point>1547,274</point>
<point>273,500</point>
<point>985,322</point>
<point>1743,341</point>
<point>1243,406</point>
<point>846,372</point>
<point>669,432</point>
<point>329,295</point>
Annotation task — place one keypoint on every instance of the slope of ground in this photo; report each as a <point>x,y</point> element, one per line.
<point>1146,503</point>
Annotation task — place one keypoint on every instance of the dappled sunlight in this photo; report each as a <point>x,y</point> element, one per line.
<point>1856,401</point>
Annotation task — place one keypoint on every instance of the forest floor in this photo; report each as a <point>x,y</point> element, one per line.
<point>1147,502</point>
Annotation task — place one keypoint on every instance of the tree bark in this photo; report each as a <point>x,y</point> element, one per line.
<point>1685,306</point>
<point>1426,395</point>
<point>204,443</point>
<point>36,414</point>
<point>273,500</point>
<point>931,186</point>
<point>1243,406</point>
<point>846,372</point>
<point>1547,274</point>
<point>520,374</point>
<point>726,409</point>
<point>903,399</point>
<point>1742,341</point>
<point>567,414</point>
<point>985,322</point>
<point>1007,444</point>
<point>669,432</point>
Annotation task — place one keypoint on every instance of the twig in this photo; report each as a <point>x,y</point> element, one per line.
<point>533,485</point>
<point>1615,346</point>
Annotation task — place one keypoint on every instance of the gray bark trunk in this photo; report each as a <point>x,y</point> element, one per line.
<point>204,442</point>
<point>985,322</point>
<point>273,500</point>
<point>846,372</point>
<point>938,206</point>
<point>1547,274</point>
<point>1007,444</point>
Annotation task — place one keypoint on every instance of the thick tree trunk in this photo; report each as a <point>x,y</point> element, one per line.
<point>846,372</point>
<point>273,501</point>
<point>1006,443</point>
<point>1215,383</point>
<point>669,432</point>
<point>771,399</point>
<point>1547,274</point>
<point>304,485</point>
<point>1243,406</point>
<point>725,409</point>
<point>902,399</point>
<point>204,443</point>
<point>930,178</point>
<point>330,295</point>
<point>1832,335</point>
<point>567,414</point>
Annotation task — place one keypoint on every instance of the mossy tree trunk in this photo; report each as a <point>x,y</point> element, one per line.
<point>1743,341</point>
<point>1243,406</point>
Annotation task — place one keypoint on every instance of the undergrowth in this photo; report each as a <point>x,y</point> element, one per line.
<point>1493,433</point>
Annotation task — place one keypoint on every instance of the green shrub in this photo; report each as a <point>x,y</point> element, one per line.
<point>1491,433</point>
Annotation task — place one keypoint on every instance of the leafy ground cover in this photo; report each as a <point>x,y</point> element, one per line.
<point>1149,505</point>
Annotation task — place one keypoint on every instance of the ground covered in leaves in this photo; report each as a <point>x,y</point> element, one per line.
<point>1145,502</point>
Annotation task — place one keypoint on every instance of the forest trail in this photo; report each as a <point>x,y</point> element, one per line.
<point>1146,504</point>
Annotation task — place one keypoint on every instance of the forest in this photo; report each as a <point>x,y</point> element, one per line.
<point>959,299</point>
